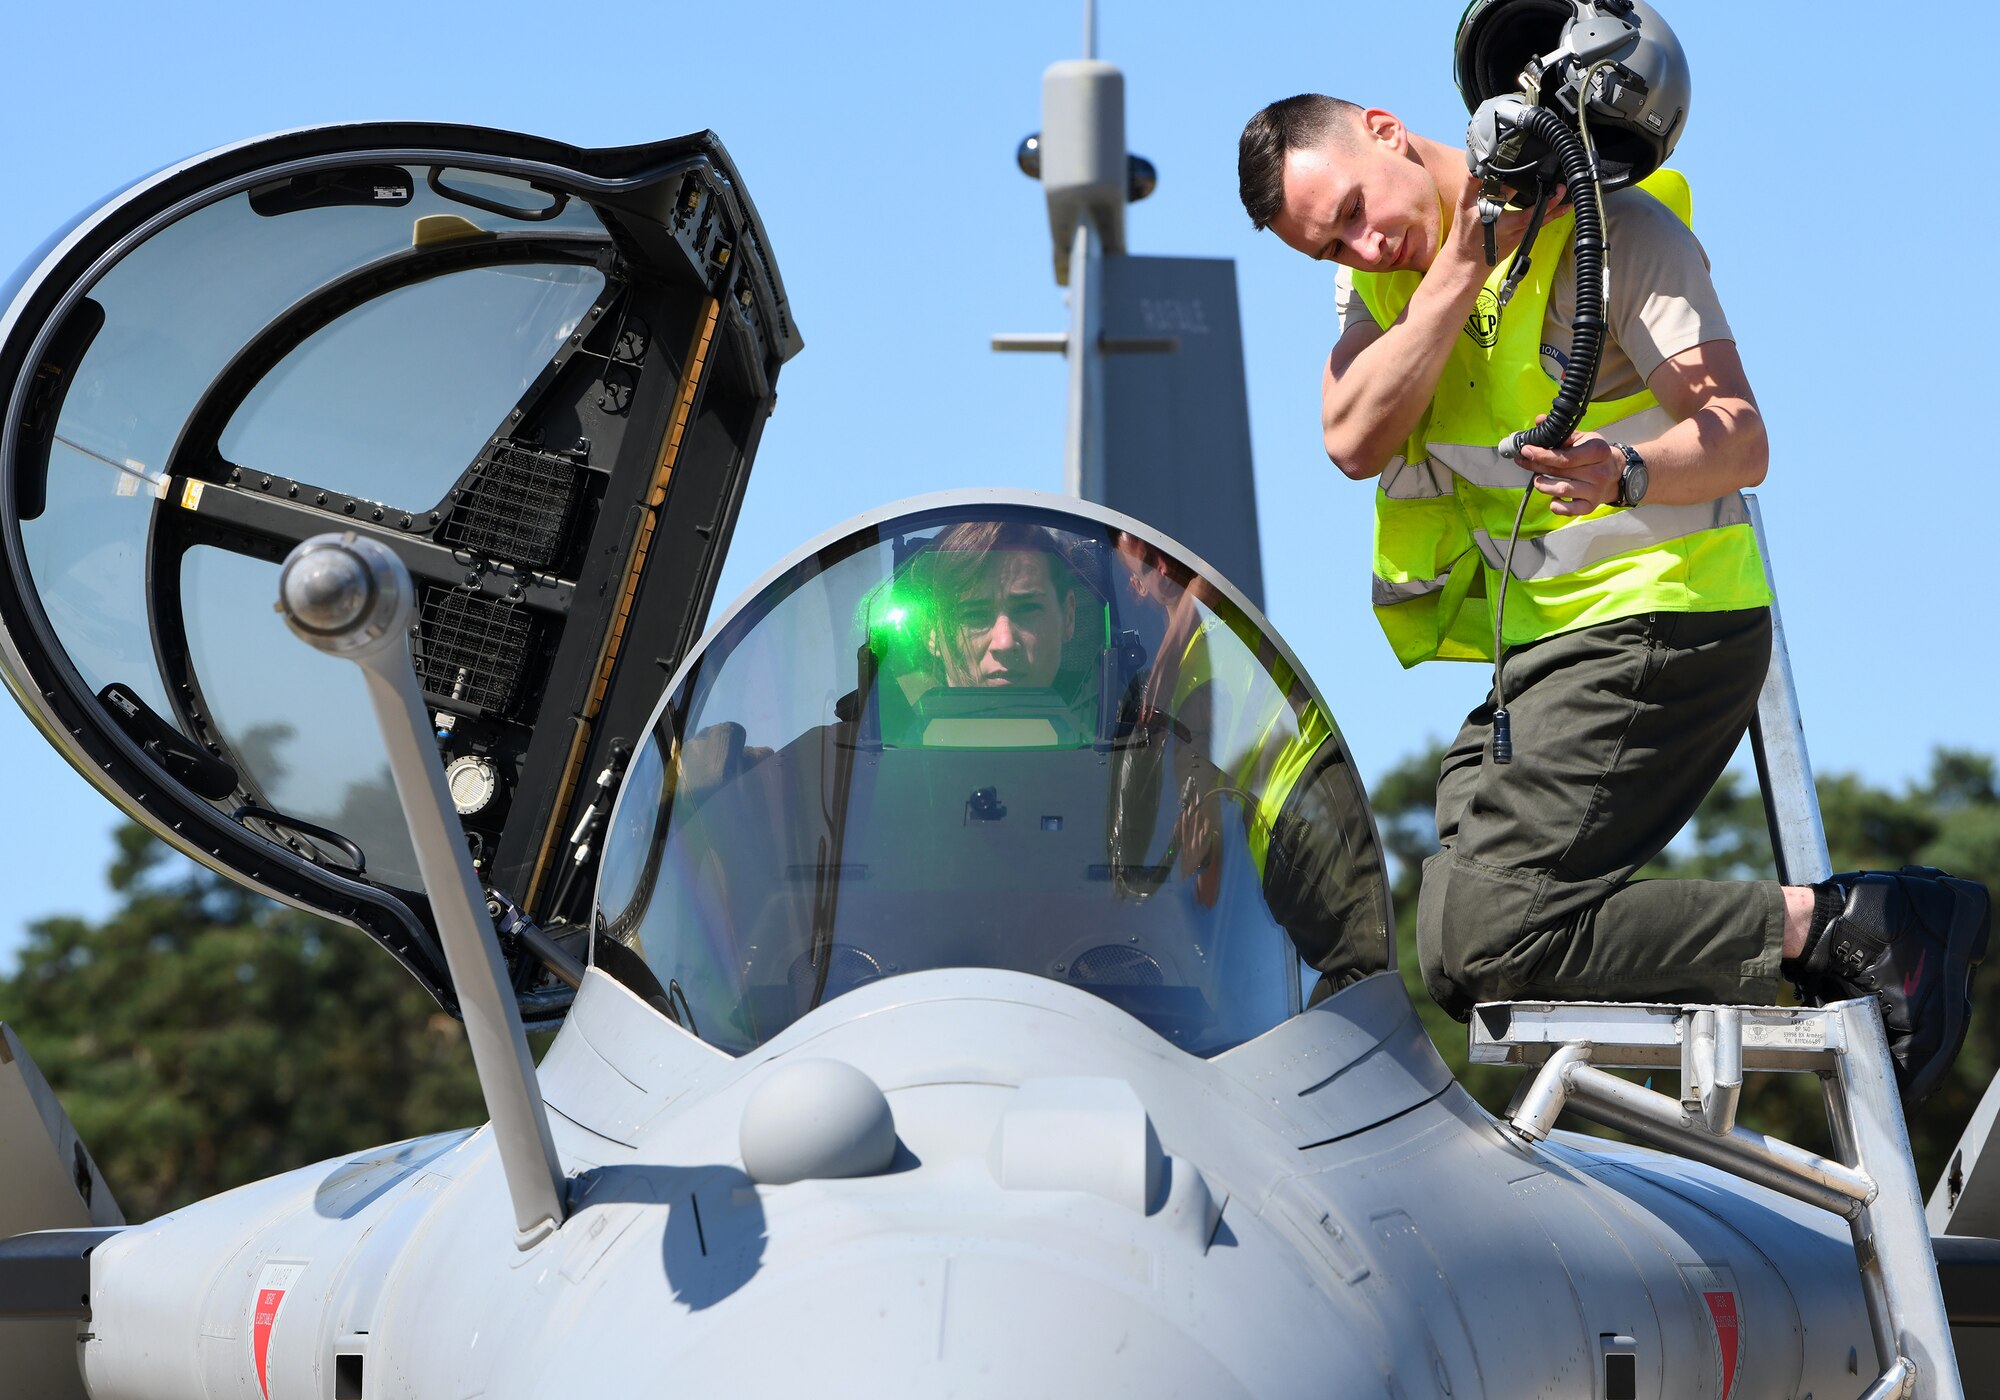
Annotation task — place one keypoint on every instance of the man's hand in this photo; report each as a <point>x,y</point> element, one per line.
<point>1462,256</point>
<point>1580,476</point>
<point>1464,250</point>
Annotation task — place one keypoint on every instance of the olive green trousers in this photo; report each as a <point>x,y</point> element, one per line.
<point>1619,731</point>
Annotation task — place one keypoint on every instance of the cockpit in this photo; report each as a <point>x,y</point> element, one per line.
<point>999,732</point>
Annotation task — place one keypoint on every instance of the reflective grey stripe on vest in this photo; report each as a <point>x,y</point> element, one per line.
<point>1414,481</point>
<point>1577,546</point>
<point>1484,466</point>
<point>1388,594</point>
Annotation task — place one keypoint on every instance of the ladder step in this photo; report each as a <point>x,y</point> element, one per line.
<point>1648,1035</point>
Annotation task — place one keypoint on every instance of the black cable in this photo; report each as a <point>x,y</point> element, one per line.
<point>1503,726</point>
<point>1587,339</point>
<point>1572,399</point>
<point>1523,255</point>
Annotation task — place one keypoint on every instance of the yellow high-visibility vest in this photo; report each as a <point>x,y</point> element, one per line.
<point>1262,730</point>
<point>1445,507</point>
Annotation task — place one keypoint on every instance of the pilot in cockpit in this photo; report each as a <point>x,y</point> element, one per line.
<point>989,606</point>
<point>1010,739</point>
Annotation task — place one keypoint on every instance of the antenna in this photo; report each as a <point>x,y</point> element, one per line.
<point>1143,333</point>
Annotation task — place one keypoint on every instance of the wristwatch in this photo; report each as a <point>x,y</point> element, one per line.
<point>1631,481</point>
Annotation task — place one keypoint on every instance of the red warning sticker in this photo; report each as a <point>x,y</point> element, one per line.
<point>272,1284</point>
<point>1722,1309</point>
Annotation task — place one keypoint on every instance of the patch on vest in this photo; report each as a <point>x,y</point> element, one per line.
<point>1555,364</point>
<point>1483,325</point>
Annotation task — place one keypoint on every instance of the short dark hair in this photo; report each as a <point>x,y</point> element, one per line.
<point>1297,123</point>
<point>958,558</point>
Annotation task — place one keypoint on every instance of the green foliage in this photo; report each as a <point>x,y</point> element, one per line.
<point>202,1036</point>
<point>1951,820</point>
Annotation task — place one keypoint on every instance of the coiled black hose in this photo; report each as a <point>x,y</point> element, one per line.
<point>1587,340</point>
<point>1586,348</point>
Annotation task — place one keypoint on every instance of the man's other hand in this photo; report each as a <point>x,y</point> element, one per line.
<point>1580,476</point>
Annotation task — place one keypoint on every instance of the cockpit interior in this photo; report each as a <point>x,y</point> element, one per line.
<point>991,735</point>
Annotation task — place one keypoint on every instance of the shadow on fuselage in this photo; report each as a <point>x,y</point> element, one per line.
<point>714,1240</point>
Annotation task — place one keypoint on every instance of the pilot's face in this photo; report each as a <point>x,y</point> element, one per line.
<point>1011,625</point>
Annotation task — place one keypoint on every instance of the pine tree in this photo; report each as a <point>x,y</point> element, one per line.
<point>203,1036</point>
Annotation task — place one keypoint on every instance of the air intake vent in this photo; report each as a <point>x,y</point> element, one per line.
<point>472,648</point>
<point>1116,965</point>
<point>514,506</point>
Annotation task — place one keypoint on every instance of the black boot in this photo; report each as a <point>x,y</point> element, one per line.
<point>1911,941</point>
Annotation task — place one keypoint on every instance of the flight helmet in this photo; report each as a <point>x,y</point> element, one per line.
<point>1636,108</point>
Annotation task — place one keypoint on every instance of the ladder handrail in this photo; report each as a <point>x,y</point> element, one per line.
<point>1871,1182</point>
<point>1778,743</point>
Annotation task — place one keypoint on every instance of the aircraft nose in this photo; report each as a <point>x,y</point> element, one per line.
<point>972,1324</point>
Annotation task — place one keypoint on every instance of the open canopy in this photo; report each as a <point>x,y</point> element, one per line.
<point>992,730</point>
<point>538,373</point>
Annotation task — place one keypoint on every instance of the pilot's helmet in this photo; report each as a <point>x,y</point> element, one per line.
<point>992,616</point>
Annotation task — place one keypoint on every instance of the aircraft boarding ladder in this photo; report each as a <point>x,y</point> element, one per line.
<point>1872,1180</point>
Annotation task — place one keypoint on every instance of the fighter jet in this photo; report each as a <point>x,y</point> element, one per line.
<point>972,954</point>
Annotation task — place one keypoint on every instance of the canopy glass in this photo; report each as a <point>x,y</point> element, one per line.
<point>992,735</point>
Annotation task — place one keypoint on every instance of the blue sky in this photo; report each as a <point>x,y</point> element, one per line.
<point>1846,217</point>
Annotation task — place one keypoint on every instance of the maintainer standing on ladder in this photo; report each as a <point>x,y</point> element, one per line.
<point>1633,615</point>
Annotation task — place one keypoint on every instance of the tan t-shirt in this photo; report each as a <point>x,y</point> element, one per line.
<point>1662,300</point>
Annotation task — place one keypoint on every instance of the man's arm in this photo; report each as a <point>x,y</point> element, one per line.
<point>1377,383</point>
<point>1717,444</point>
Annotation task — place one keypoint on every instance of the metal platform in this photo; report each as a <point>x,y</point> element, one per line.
<point>1871,1182</point>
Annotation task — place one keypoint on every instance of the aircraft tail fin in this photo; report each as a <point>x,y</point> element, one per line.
<point>1176,429</point>
<point>48,1182</point>
<point>1966,1200</point>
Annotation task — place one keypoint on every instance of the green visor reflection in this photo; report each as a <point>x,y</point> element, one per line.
<point>991,635</point>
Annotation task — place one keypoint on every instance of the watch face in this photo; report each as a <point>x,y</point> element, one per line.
<point>1631,481</point>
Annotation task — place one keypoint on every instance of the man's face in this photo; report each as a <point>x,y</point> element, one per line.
<point>1362,199</point>
<point>1011,625</point>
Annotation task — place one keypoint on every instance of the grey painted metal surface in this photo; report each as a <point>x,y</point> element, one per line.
<point>1871,1182</point>
<point>1966,1200</point>
<point>1177,424</point>
<point>1083,156</point>
<point>47,1182</point>
<point>46,1274</point>
<point>1226,1232</point>
<point>50,1180</point>
<point>351,597</point>
<point>1083,423</point>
